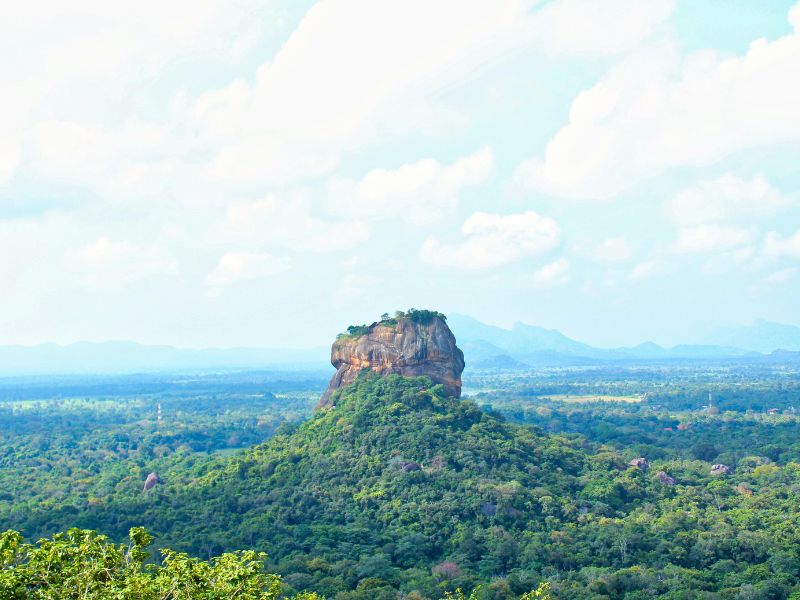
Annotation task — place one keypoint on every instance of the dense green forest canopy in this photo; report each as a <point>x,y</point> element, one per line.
<point>81,564</point>
<point>400,489</point>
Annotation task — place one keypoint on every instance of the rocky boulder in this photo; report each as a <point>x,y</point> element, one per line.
<point>409,465</point>
<point>720,470</point>
<point>640,463</point>
<point>665,479</point>
<point>411,344</point>
<point>152,481</point>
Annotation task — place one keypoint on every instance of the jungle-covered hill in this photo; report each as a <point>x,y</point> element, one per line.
<point>397,487</point>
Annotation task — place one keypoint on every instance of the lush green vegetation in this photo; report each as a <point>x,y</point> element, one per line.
<point>67,453</point>
<point>417,316</point>
<point>80,564</point>
<point>400,489</point>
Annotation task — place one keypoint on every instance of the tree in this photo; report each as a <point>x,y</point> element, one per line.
<point>81,564</point>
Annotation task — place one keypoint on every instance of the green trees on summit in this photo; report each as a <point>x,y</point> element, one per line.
<point>419,316</point>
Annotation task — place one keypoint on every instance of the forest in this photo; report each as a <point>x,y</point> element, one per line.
<point>603,483</point>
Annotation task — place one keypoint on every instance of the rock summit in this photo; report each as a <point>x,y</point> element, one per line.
<point>412,344</point>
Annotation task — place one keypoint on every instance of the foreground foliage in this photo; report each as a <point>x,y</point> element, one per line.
<point>80,564</point>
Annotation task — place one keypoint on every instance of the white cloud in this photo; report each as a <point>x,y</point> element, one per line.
<point>420,192</point>
<point>709,238</point>
<point>332,84</point>
<point>657,110</point>
<point>107,265</point>
<point>351,288</point>
<point>644,269</point>
<point>104,252</point>
<point>69,150</point>
<point>289,223</point>
<point>590,28</point>
<point>727,197</point>
<point>552,274</point>
<point>777,246</point>
<point>10,154</point>
<point>781,276</point>
<point>235,267</point>
<point>61,48</point>
<point>614,249</point>
<point>492,240</point>
<point>319,97</point>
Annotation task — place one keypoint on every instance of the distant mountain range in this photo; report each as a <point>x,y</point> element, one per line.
<point>130,357</point>
<point>490,347</point>
<point>761,336</point>
<point>485,347</point>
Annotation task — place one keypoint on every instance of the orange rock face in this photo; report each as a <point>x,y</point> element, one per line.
<point>406,348</point>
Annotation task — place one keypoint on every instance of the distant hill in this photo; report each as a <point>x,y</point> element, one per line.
<point>490,347</point>
<point>520,339</point>
<point>130,357</point>
<point>762,336</point>
<point>486,347</point>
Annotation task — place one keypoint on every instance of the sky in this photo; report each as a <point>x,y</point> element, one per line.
<point>261,173</point>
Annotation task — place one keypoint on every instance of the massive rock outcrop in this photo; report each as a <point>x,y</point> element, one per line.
<point>413,344</point>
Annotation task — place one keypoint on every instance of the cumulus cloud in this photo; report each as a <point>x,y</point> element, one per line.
<point>323,93</point>
<point>107,265</point>
<point>725,198</point>
<point>709,238</point>
<point>658,110</point>
<point>644,269</point>
<point>614,249</point>
<point>591,28</point>
<point>419,192</point>
<point>781,276</point>
<point>235,267</point>
<point>100,45</point>
<point>777,246</point>
<point>491,240</point>
<point>290,223</point>
<point>552,274</point>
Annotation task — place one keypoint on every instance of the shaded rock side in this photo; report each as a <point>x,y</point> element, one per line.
<point>152,481</point>
<point>399,346</point>
<point>665,479</point>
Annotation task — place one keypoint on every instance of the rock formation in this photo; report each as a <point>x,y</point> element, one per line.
<point>640,463</point>
<point>152,481</point>
<point>413,344</point>
<point>665,479</point>
<point>720,470</point>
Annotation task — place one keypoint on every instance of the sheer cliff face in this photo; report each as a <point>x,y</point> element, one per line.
<point>407,348</point>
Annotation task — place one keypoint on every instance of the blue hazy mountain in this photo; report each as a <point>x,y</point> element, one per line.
<point>130,357</point>
<point>485,347</point>
<point>761,336</point>
<point>489,346</point>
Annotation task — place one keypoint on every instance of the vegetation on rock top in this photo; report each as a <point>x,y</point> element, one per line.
<point>420,316</point>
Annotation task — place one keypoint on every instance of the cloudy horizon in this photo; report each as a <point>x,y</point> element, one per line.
<point>211,174</point>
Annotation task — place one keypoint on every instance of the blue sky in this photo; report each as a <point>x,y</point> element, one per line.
<point>265,173</point>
